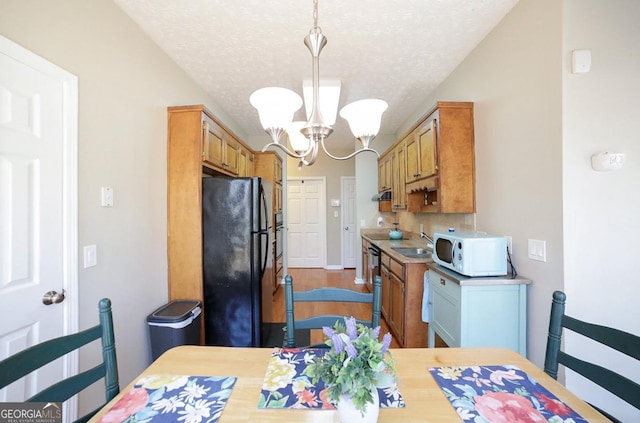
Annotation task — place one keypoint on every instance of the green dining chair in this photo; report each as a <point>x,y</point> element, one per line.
<point>321,295</point>
<point>624,342</point>
<point>26,361</point>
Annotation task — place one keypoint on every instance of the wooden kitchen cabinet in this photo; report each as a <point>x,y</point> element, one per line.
<point>447,161</point>
<point>385,274</point>
<point>477,312</point>
<point>268,166</point>
<point>245,162</point>
<point>384,173</point>
<point>402,286</point>
<point>439,161</point>
<point>197,144</point>
<point>398,172</point>
<point>220,149</point>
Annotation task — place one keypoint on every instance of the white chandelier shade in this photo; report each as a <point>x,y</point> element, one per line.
<point>299,143</point>
<point>277,106</point>
<point>364,118</point>
<point>328,99</point>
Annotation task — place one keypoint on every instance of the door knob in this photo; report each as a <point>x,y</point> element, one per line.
<point>53,297</point>
<point>346,228</point>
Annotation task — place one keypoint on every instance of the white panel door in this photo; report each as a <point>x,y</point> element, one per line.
<point>349,238</point>
<point>306,222</point>
<point>38,218</point>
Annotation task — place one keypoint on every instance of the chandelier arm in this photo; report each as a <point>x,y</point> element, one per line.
<point>313,150</point>
<point>324,148</point>
<point>283,148</point>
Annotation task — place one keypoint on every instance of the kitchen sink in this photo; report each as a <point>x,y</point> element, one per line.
<point>413,252</point>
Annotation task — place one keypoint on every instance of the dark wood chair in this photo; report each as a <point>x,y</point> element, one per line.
<point>321,295</point>
<point>624,342</point>
<point>26,361</point>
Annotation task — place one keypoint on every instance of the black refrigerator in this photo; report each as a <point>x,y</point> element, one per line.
<point>237,264</point>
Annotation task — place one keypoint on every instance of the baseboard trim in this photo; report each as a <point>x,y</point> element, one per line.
<point>334,267</point>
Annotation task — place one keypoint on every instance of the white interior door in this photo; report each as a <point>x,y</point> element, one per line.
<point>306,222</point>
<point>349,238</point>
<point>38,202</point>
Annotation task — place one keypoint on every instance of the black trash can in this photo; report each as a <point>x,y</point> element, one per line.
<point>174,324</point>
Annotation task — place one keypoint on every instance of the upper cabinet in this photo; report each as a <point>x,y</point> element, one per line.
<point>398,171</point>
<point>439,161</point>
<point>384,173</point>
<point>197,144</point>
<point>268,165</point>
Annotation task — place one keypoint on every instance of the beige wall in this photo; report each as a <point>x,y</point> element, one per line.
<point>601,225</point>
<point>514,78</point>
<point>332,170</point>
<point>125,85</point>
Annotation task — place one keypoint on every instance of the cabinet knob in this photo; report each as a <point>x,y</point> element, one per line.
<point>442,282</point>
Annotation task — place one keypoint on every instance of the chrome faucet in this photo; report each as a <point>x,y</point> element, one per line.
<point>423,235</point>
<point>428,238</point>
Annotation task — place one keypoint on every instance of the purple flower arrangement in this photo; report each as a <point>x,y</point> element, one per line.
<point>356,363</point>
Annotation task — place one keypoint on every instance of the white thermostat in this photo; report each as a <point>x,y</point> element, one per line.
<point>607,161</point>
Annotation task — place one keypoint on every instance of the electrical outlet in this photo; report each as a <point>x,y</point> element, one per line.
<point>509,244</point>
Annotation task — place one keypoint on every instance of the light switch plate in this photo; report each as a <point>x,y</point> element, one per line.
<point>90,256</point>
<point>537,250</point>
<point>106,197</point>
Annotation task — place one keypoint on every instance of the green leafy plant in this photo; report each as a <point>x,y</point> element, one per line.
<point>356,362</point>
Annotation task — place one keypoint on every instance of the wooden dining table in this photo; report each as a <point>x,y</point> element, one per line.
<point>424,399</point>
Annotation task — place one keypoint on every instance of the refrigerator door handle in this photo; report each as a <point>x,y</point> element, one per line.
<point>266,252</point>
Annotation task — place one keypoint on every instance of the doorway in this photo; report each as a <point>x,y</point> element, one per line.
<point>349,230</point>
<point>38,211</point>
<point>306,222</point>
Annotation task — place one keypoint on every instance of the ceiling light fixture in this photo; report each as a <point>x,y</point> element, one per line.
<point>276,107</point>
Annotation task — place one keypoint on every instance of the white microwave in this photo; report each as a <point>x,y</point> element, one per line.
<point>471,254</point>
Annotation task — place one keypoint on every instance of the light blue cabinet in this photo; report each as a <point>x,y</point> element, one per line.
<point>477,312</point>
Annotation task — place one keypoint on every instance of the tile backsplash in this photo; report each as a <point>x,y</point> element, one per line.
<point>432,222</point>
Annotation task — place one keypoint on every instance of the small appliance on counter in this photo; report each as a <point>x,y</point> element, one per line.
<point>471,254</point>
<point>395,233</point>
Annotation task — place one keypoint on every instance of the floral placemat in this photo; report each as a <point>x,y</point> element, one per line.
<point>172,398</point>
<point>500,394</point>
<point>285,386</point>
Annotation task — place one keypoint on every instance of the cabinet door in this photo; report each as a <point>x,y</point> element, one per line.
<point>277,198</point>
<point>366,270</point>
<point>277,169</point>
<point>384,173</point>
<point>213,143</point>
<point>245,162</point>
<point>231,153</point>
<point>399,190</point>
<point>426,139</point>
<point>386,293</point>
<point>444,298</point>
<point>412,164</point>
<point>396,322</point>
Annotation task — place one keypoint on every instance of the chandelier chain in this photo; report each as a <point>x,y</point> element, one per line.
<point>315,15</point>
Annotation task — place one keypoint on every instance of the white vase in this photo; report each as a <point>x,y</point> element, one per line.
<point>350,414</point>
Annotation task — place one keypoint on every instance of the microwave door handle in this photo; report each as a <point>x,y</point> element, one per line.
<point>453,253</point>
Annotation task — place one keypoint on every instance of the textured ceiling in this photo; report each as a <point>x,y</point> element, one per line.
<point>396,50</point>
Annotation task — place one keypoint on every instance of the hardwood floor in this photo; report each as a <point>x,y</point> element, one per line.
<point>305,279</point>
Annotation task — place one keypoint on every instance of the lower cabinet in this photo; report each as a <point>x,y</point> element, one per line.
<point>402,286</point>
<point>478,312</point>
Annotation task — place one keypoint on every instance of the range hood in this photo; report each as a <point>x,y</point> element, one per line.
<point>385,196</point>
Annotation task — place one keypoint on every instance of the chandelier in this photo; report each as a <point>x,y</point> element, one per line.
<point>276,107</point>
